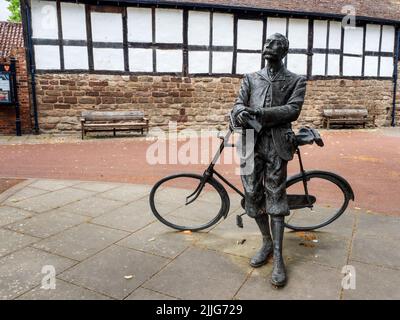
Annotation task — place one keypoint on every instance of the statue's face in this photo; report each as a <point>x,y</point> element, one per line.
<point>274,49</point>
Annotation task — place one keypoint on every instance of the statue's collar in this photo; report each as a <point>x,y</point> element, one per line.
<point>280,76</point>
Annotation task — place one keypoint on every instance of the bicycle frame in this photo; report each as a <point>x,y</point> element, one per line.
<point>210,171</point>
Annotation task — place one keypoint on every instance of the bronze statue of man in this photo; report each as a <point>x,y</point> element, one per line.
<point>274,97</point>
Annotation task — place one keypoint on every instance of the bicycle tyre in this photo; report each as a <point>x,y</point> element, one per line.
<point>211,183</point>
<point>334,180</point>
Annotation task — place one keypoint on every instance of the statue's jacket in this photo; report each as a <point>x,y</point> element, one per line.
<point>287,91</point>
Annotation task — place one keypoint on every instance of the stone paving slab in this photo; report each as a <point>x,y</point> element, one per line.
<point>9,215</point>
<point>160,240</point>
<point>201,274</point>
<point>376,250</point>
<point>47,224</point>
<point>12,241</point>
<point>372,282</point>
<point>22,270</point>
<point>131,217</point>
<point>81,241</point>
<point>146,294</point>
<point>101,239</point>
<point>26,193</point>
<point>93,206</point>
<point>52,200</point>
<point>63,291</point>
<point>127,192</point>
<point>106,271</point>
<point>306,281</point>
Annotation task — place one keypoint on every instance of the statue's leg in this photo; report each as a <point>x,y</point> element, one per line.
<point>255,208</point>
<point>277,207</point>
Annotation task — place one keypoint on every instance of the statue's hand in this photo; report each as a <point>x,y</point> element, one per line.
<point>243,117</point>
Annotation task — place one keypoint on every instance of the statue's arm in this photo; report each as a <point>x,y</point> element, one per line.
<point>290,111</point>
<point>242,101</point>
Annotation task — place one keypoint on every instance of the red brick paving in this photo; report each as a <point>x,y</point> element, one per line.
<point>369,160</point>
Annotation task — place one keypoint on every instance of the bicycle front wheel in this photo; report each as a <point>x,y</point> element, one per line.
<point>171,202</point>
<point>330,193</point>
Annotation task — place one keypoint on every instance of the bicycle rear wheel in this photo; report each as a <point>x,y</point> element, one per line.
<point>171,205</point>
<point>330,193</point>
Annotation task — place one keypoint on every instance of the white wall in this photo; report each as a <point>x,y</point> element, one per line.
<point>107,27</point>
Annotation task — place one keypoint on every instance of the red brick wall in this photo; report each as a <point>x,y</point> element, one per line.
<point>7,113</point>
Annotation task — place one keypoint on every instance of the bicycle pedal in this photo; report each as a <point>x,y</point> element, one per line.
<point>239,221</point>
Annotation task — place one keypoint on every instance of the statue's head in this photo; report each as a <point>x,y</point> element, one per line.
<point>276,47</point>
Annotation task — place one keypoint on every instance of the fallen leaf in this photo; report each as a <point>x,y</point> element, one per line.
<point>240,242</point>
<point>357,208</point>
<point>151,239</point>
<point>128,277</point>
<point>187,232</point>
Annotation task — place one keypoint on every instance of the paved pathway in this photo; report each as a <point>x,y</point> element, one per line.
<point>104,243</point>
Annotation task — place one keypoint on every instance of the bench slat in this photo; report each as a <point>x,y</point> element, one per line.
<point>112,115</point>
<point>347,113</point>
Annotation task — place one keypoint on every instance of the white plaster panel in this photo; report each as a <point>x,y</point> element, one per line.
<point>387,67</point>
<point>44,19</point>
<point>169,26</point>
<point>297,63</point>
<point>169,60</point>
<point>387,39</point>
<point>352,66</point>
<point>222,62</point>
<point>250,34</point>
<point>199,28</point>
<point>276,25</point>
<point>318,67</point>
<point>335,35</point>
<point>141,60</point>
<point>333,65</point>
<point>353,40</point>
<point>106,27</point>
<point>222,29</point>
<point>73,20</point>
<point>76,57</point>
<point>372,37</point>
<point>320,34</point>
<point>248,63</point>
<point>108,59</point>
<point>298,33</point>
<point>199,61</point>
<point>139,25</point>
<point>47,57</point>
<point>371,66</point>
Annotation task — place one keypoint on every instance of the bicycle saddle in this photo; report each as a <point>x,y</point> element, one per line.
<point>308,135</point>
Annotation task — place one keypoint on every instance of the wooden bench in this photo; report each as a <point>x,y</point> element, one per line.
<point>113,121</point>
<point>346,116</point>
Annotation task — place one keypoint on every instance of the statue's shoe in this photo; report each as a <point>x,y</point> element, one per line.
<point>278,277</point>
<point>261,257</point>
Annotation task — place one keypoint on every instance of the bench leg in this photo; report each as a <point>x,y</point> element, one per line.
<point>327,123</point>
<point>114,132</point>
<point>141,130</point>
<point>83,133</point>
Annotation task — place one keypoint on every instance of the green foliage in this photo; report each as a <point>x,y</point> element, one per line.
<point>14,9</point>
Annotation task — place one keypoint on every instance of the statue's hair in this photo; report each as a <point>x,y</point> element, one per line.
<point>282,39</point>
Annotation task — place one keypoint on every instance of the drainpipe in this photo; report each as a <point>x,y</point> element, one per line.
<point>32,67</point>
<point>396,76</point>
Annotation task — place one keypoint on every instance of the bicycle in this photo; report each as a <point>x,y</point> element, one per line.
<point>201,192</point>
